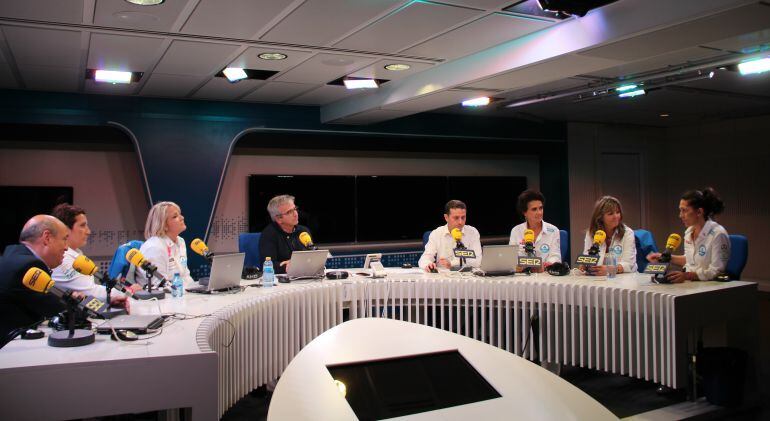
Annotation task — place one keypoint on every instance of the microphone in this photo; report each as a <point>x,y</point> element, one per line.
<point>672,243</point>
<point>137,259</point>
<point>40,281</point>
<point>306,241</point>
<point>457,235</point>
<point>86,266</point>
<point>599,237</point>
<point>201,248</point>
<point>529,242</point>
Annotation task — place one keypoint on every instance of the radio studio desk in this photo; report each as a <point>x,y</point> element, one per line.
<point>624,325</point>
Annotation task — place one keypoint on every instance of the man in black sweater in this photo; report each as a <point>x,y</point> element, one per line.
<point>281,237</point>
<point>43,241</point>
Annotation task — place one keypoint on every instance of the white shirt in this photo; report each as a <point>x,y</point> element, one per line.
<point>67,277</point>
<point>170,258</point>
<point>547,243</point>
<point>441,245</point>
<point>708,254</point>
<point>624,249</point>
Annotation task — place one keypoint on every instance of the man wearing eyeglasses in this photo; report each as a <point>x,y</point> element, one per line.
<point>281,237</point>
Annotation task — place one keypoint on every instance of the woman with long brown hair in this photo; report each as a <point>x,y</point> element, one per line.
<point>608,217</point>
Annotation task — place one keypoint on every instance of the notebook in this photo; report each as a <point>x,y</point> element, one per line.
<point>499,260</point>
<point>225,274</point>
<point>307,264</point>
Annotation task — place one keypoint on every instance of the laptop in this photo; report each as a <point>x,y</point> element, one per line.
<point>225,274</point>
<point>499,260</point>
<point>135,323</point>
<point>307,264</point>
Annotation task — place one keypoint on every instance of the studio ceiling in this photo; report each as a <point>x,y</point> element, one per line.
<point>456,49</point>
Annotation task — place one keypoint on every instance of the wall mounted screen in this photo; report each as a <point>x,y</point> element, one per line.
<point>346,209</point>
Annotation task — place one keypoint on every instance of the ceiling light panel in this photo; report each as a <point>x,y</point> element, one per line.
<point>411,24</point>
<point>308,24</point>
<point>241,19</point>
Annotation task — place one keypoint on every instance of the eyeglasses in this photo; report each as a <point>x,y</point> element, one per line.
<point>290,211</point>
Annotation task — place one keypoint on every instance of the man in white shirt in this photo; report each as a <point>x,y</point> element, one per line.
<point>439,251</point>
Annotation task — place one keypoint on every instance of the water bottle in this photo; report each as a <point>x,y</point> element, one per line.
<point>177,289</point>
<point>612,264</point>
<point>268,274</point>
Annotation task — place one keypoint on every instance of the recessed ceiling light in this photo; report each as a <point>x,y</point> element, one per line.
<point>146,2</point>
<point>112,76</point>
<point>664,115</point>
<point>234,74</point>
<point>360,83</point>
<point>272,56</point>
<point>476,102</point>
<point>397,67</point>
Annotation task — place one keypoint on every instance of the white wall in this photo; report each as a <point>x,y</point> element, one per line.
<point>732,156</point>
<point>231,216</point>
<point>107,184</point>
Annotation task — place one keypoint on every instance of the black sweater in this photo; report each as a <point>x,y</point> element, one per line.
<point>279,245</point>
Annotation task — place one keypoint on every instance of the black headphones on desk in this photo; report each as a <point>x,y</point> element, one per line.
<point>558,269</point>
<point>337,274</point>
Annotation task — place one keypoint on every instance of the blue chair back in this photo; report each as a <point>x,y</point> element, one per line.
<point>248,242</point>
<point>739,255</point>
<point>645,244</point>
<point>564,245</point>
<point>425,237</point>
<point>119,265</point>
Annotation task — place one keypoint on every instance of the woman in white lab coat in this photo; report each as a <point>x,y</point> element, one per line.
<point>608,217</point>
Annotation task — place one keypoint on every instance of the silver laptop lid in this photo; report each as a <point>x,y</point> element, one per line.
<point>499,258</point>
<point>226,270</point>
<point>307,263</point>
<point>132,322</point>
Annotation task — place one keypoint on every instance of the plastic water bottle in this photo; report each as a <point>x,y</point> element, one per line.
<point>268,274</point>
<point>177,289</point>
<point>612,265</point>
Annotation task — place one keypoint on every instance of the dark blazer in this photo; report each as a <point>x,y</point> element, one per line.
<point>279,245</point>
<point>19,305</point>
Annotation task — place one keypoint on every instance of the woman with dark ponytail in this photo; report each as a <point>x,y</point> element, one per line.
<point>706,243</point>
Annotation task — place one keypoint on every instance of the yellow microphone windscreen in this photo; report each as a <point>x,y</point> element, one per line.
<point>673,241</point>
<point>38,280</point>
<point>199,246</point>
<point>84,265</point>
<point>529,236</point>
<point>135,257</point>
<point>599,236</point>
<point>457,234</point>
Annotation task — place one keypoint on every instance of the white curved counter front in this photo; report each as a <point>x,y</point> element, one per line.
<point>241,341</point>
<point>307,391</point>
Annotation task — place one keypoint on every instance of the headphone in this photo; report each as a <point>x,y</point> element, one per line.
<point>337,274</point>
<point>558,269</point>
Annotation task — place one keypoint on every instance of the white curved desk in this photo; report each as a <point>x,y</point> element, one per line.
<point>624,326</point>
<point>306,390</point>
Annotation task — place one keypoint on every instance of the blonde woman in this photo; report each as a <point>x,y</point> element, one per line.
<point>164,247</point>
<point>608,217</point>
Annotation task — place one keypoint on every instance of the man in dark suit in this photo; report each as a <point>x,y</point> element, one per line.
<point>43,241</point>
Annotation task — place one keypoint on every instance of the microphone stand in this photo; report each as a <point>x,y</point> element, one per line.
<point>71,337</point>
<point>530,252</point>
<point>149,293</point>
<point>112,312</point>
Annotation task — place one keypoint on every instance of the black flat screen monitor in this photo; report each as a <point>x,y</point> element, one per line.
<point>410,385</point>
<point>23,202</point>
